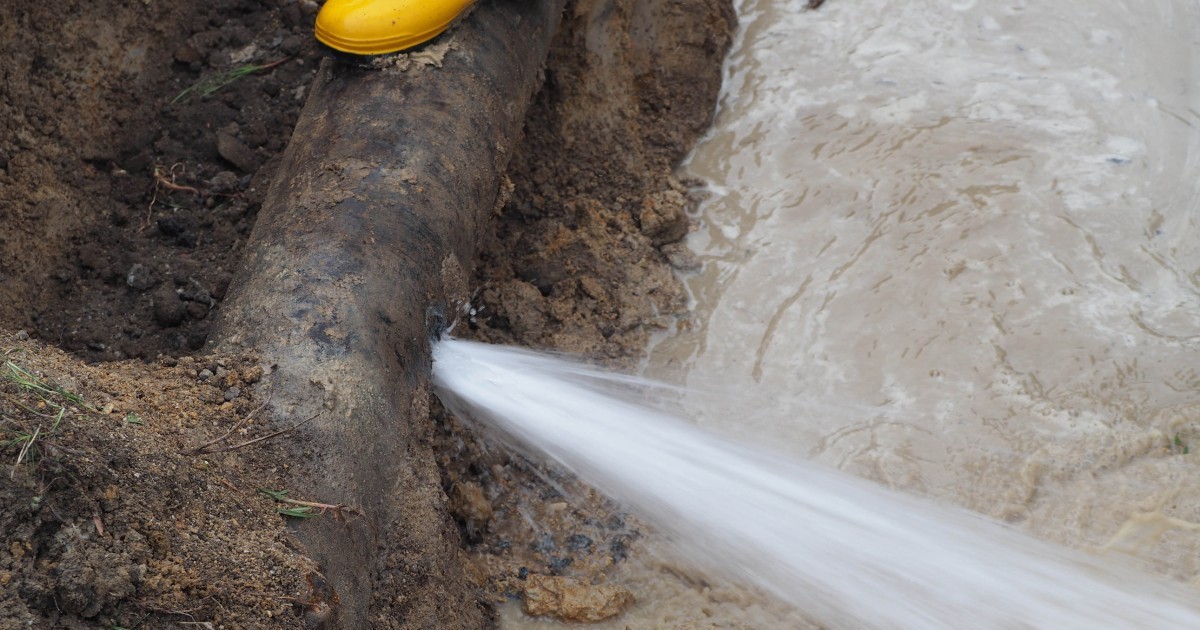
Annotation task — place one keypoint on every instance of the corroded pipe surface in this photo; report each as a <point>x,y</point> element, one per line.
<point>360,248</point>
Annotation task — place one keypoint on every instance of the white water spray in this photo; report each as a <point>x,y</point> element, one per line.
<point>844,550</point>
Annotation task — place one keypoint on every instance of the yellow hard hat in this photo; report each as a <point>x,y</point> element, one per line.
<point>377,27</point>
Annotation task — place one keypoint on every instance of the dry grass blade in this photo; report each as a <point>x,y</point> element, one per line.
<point>200,450</point>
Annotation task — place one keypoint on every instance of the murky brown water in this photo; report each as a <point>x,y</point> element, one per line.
<point>953,248</point>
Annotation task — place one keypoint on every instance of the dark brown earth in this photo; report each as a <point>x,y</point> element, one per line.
<point>581,261</point>
<point>136,144</point>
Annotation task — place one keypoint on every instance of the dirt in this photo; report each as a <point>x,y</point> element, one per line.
<point>125,191</point>
<point>583,259</point>
<point>137,144</point>
<point>110,515</point>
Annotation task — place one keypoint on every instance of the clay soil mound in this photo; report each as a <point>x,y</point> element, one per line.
<point>137,140</point>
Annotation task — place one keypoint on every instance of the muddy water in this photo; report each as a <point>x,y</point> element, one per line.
<point>952,248</point>
<point>979,219</point>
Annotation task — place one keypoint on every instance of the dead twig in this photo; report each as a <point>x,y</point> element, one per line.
<point>29,443</point>
<point>161,181</point>
<point>265,437</point>
<point>167,611</point>
<point>170,184</point>
<point>338,508</point>
<point>199,449</point>
<point>313,509</point>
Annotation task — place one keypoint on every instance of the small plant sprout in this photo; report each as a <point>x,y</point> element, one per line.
<point>211,85</point>
<point>26,380</point>
<point>295,508</point>
<point>133,418</point>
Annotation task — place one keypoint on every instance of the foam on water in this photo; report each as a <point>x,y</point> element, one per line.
<point>845,550</point>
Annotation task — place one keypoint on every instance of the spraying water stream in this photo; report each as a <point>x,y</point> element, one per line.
<point>844,550</point>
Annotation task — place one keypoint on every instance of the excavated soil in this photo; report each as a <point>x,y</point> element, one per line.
<point>137,143</point>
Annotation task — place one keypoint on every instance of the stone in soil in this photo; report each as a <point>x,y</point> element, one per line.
<point>573,600</point>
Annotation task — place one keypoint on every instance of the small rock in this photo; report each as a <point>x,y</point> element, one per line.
<point>140,277</point>
<point>663,217</point>
<point>237,153</point>
<point>224,182</point>
<point>244,54</point>
<point>681,257</point>
<point>205,374</point>
<point>169,311</point>
<point>467,500</point>
<point>522,305</point>
<point>252,374</point>
<point>232,393</point>
<point>22,335</point>
<point>593,288</point>
<point>178,228</point>
<point>187,54</point>
<point>292,45</point>
<point>196,311</point>
<point>173,226</point>
<point>574,601</point>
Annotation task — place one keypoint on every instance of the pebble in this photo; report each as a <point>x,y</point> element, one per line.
<point>468,500</point>
<point>574,601</point>
<point>252,374</point>
<point>232,393</point>
<point>140,277</point>
<point>224,182</point>
<point>236,152</point>
<point>168,310</point>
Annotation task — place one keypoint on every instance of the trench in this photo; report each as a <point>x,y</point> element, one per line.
<point>357,259</point>
<point>130,187</point>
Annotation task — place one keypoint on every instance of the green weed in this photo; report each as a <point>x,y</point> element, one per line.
<point>295,508</point>
<point>211,85</point>
<point>26,380</point>
<point>37,413</point>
